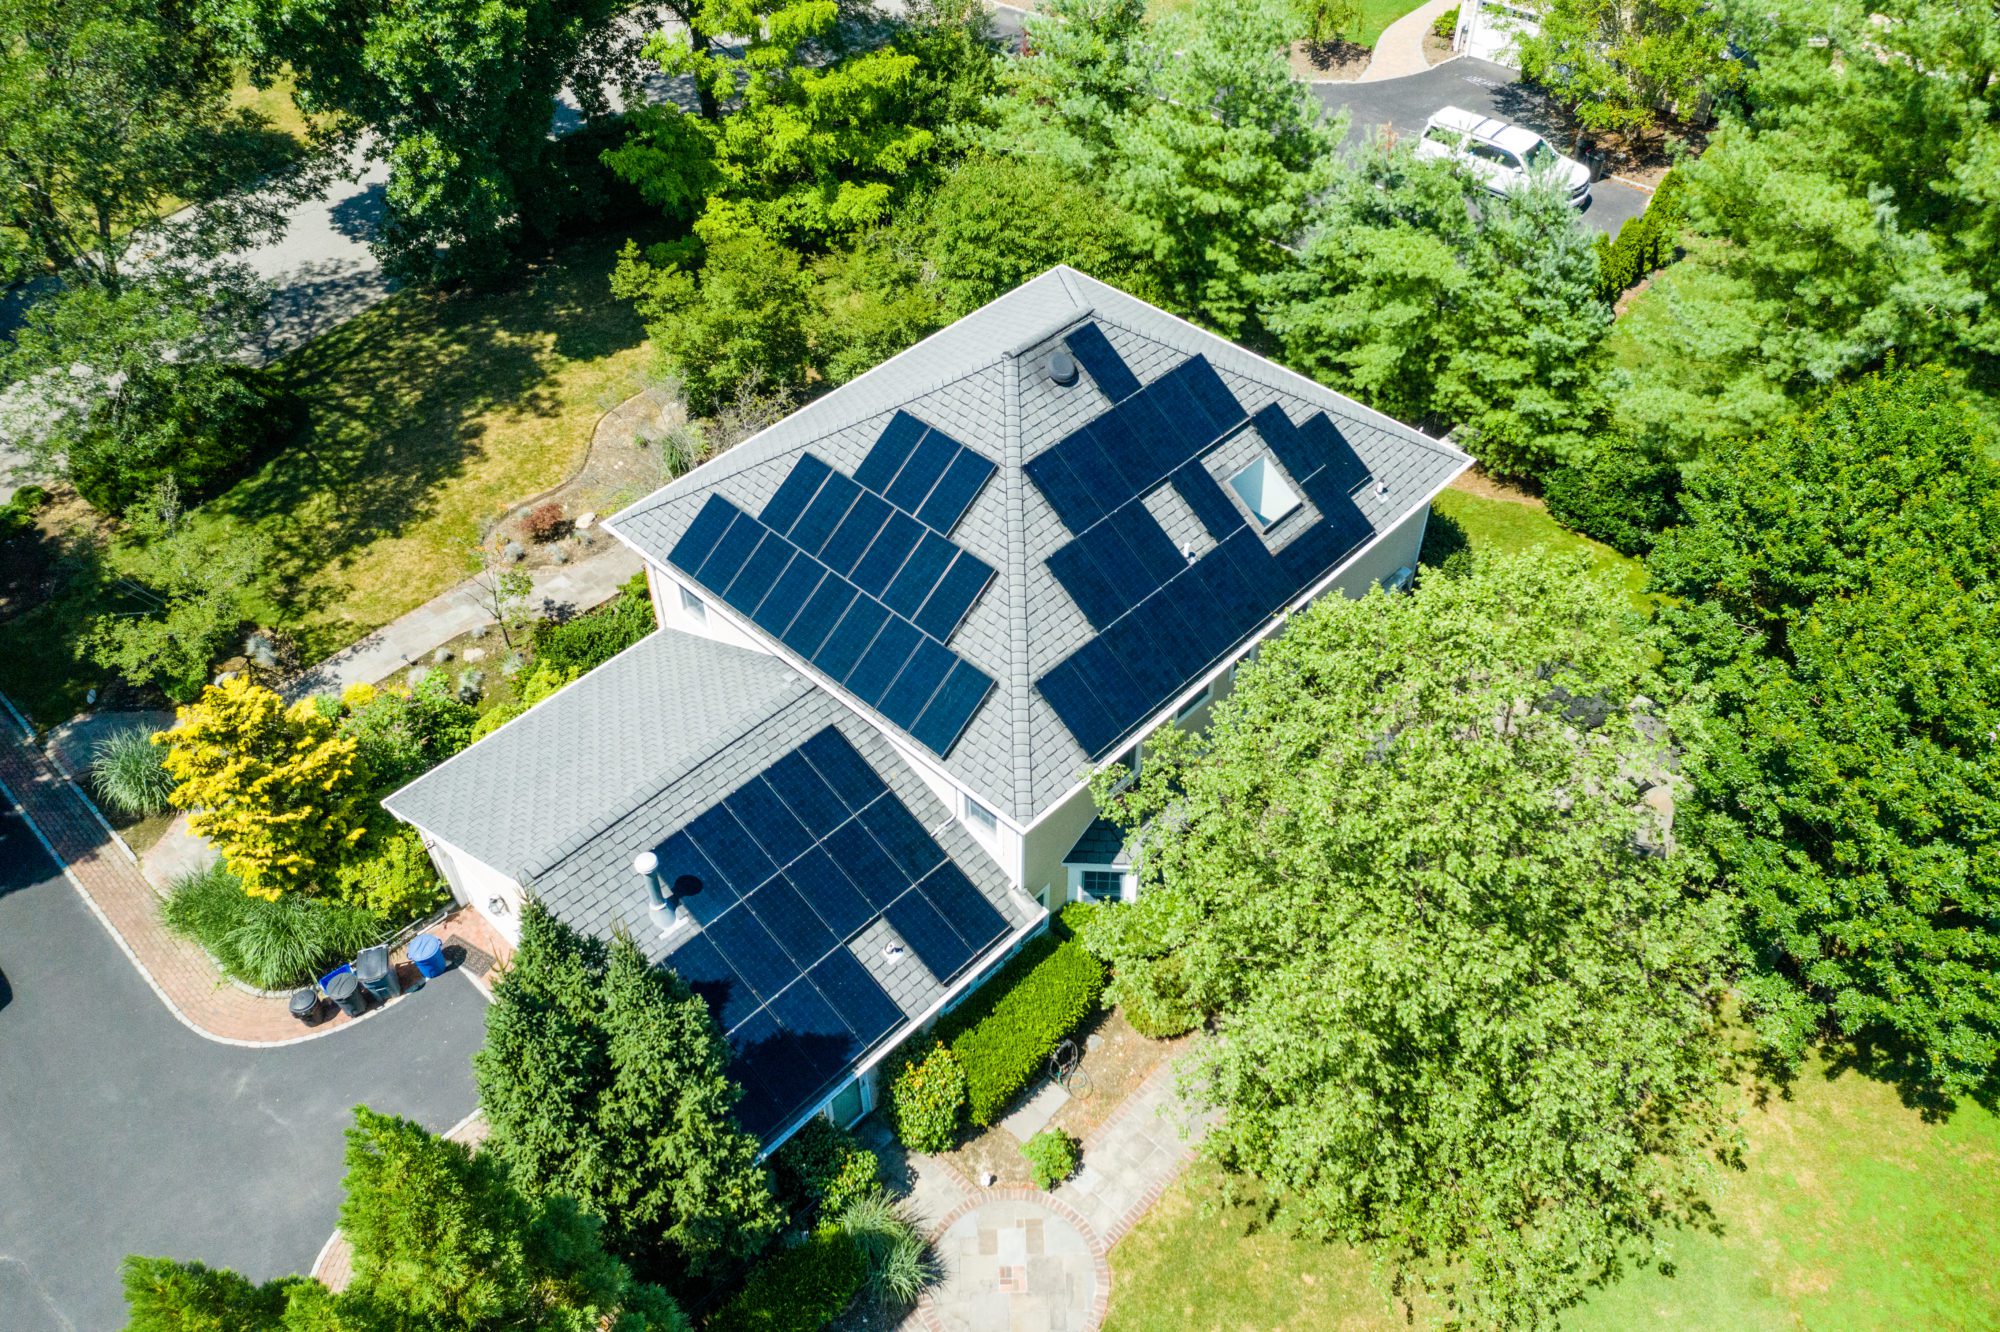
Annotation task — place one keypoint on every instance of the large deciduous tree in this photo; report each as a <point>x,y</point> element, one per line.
<point>1619,66</point>
<point>1833,588</point>
<point>603,1078</point>
<point>458,96</point>
<point>1432,301</point>
<point>1467,998</point>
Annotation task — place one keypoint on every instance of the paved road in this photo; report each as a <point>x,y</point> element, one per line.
<point>1477,85</point>
<point>122,1131</point>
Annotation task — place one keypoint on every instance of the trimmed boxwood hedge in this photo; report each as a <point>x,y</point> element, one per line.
<point>1004,1033</point>
<point>800,1289</point>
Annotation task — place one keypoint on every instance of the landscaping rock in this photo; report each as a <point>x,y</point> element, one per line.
<point>475,654</point>
<point>585,521</point>
<point>224,677</point>
<point>471,686</point>
<point>514,551</point>
<point>441,656</point>
<point>260,651</point>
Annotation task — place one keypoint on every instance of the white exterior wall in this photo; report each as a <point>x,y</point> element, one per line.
<point>489,892</point>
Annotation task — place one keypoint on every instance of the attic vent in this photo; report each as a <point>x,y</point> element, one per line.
<point>893,953</point>
<point>1062,367</point>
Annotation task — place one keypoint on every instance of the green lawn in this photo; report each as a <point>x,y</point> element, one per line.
<point>1853,1212</point>
<point>1498,524</point>
<point>428,416</point>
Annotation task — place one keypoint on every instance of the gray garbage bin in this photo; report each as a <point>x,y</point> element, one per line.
<point>372,966</point>
<point>343,989</point>
<point>308,1007</point>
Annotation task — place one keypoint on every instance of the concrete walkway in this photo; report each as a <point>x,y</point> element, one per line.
<point>1400,49</point>
<point>1022,1258</point>
<point>568,589</point>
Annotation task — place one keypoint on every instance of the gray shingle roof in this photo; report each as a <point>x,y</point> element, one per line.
<point>1102,843</point>
<point>980,381</point>
<point>522,798</point>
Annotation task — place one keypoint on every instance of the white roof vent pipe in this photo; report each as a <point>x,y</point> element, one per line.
<point>672,911</point>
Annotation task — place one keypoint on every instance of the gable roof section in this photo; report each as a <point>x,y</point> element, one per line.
<point>1085,633</point>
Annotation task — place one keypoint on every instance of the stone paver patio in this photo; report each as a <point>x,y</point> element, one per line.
<point>1020,1260</point>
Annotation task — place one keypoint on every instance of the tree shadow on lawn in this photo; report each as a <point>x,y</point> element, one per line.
<point>401,402</point>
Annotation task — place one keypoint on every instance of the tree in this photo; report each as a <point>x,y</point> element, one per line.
<point>277,790</point>
<point>1435,303</point>
<point>1325,21</point>
<point>1616,67</point>
<point>1468,996</point>
<point>741,319</point>
<point>1832,589</point>
<point>1219,165</point>
<point>162,1295</point>
<point>1853,201</point>
<point>457,96</point>
<point>870,301</point>
<point>443,1242</point>
<point>120,390</point>
<point>195,581</point>
<point>603,1077</point>
<point>114,113</point>
<point>808,143</point>
<point>995,222</point>
<point>1064,101</point>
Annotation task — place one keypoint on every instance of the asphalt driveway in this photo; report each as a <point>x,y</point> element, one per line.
<point>121,1131</point>
<point>1403,105</point>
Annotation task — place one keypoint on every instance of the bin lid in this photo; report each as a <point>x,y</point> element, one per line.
<point>424,947</point>
<point>304,1001</point>
<point>342,986</point>
<point>372,963</point>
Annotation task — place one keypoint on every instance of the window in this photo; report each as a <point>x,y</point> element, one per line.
<point>1103,885</point>
<point>1496,155</point>
<point>693,604</point>
<point>1263,490</point>
<point>981,817</point>
<point>1192,706</point>
<point>1541,155</point>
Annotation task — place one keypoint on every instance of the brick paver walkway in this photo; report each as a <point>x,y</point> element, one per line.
<point>1021,1258</point>
<point>102,870</point>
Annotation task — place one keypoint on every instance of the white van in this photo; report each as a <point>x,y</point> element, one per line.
<point>1504,157</point>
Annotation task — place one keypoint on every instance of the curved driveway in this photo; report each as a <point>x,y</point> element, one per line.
<point>121,1131</point>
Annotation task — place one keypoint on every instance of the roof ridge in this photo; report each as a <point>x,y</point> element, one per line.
<point>1021,765</point>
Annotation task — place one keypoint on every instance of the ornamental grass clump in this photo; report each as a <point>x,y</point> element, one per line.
<point>899,1262</point>
<point>129,773</point>
<point>271,944</point>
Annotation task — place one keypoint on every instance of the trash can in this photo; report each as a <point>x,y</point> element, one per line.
<point>372,966</point>
<point>427,956</point>
<point>343,989</point>
<point>308,1007</point>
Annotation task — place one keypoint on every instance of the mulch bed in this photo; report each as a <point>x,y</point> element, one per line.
<point>1328,62</point>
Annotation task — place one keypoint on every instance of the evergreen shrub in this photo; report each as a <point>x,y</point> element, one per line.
<point>800,1289</point>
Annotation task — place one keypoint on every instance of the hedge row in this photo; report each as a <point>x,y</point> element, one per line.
<point>800,1289</point>
<point>1004,1034</point>
<point>1644,243</point>
<point>590,640</point>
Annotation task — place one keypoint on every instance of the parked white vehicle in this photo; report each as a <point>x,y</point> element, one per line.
<point>1504,157</point>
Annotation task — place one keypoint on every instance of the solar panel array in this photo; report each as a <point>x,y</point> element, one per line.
<point>781,876</point>
<point>1162,619</point>
<point>858,574</point>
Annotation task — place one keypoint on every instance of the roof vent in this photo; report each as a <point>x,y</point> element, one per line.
<point>1381,490</point>
<point>664,900</point>
<point>893,953</point>
<point>1062,367</point>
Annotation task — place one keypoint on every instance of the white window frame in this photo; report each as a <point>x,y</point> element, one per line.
<point>1267,464</point>
<point>692,603</point>
<point>979,818</point>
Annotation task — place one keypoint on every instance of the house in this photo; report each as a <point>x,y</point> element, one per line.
<point>900,629</point>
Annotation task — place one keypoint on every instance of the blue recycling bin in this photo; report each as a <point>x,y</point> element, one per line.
<point>426,954</point>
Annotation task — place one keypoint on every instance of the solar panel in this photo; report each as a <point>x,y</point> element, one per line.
<point>864,862</point>
<point>791,594</point>
<point>698,542</point>
<point>926,464</point>
<point>822,1039</point>
<point>836,496</point>
<point>1095,353</point>
<point>827,889</point>
<point>850,639</point>
<point>955,491</point>
<point>952,707</point>
<point>781,909</point>
<point>757,807</point>
<point>928,934</point>
<point>845,771</point>
<point>797,490</point>
<point>1193,483</point>
<point>883,560</point>
<point>863,1005</point>
<point>877,670</point>
<point>760,572</point>
<point>752,951</point>
<point>1069,497</point>
<point>952,597</point>
<point>741,864</point>
<point>913,850</point>
<point>919,679</point>
<point>707,893</point>
<point>805,794</point>
<point>968,912</point>
<point>707,974</point>
<point>856,531</point>
<point>919,575</point>
<point>890,451</point>
<point>731,551</point>
<point>815,621</point>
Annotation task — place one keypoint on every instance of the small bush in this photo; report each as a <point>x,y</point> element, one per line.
<point>1447,24</point>
<point>821,1169</point>
<point>18,514</point>
<point>1643,243</point>
<point>1052,1156</point>
<point>129,772</point>
<point>926,1099</point>
<point>1619,497</point>
<point>545,522</point>
<point>899,1262</point>
<point>1003,1041</point>
<point>1074,918</point>
<point>401,734</point>
<point>588,641</point>
<point>800,1289</point>
<point>272,945</point>
<point>1153,997</point>
<point>394,877</point>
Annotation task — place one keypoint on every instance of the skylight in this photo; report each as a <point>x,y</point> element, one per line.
<point>1261,487</point>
